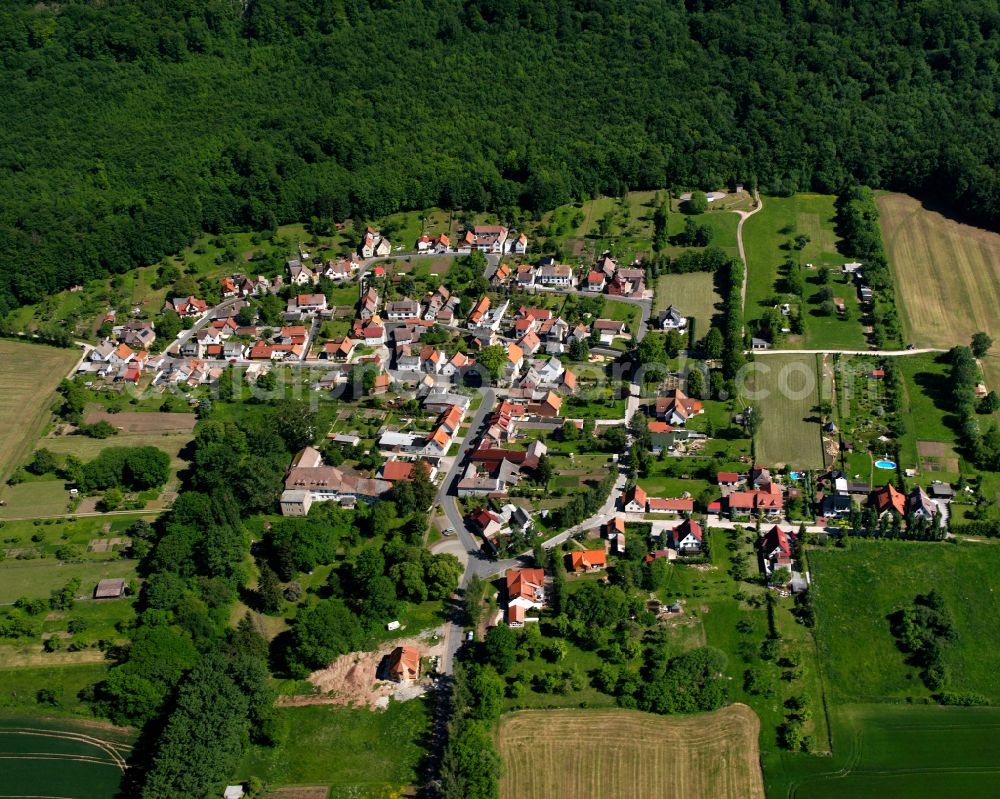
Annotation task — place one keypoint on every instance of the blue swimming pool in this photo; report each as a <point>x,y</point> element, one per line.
<point>885,465</point>
<point>795,475</point>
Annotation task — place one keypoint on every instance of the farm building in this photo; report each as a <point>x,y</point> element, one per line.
<point>110,589</point>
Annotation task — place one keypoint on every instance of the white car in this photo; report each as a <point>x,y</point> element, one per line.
<point>448,531</point>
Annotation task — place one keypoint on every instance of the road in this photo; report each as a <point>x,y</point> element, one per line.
<point>877,353</point>
<point>744,216</point>
<point>206,318</point>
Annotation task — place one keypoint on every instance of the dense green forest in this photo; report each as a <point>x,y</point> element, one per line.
<point>130,125</point>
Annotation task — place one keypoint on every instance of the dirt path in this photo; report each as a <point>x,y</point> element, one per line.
<point>744,216</point>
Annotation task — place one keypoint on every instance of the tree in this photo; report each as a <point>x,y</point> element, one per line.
<point>545,470</point>
<point>695,383</point>
<point>321,633</point>
<point>714,344</point>
<point>42,462</point>
<point>981,343</point>
<point>501,648</point>
<point>753,418</point>
<point>698,204</point>
<point>493,359</point>
<point>269,590</point>
<point>990,403</point>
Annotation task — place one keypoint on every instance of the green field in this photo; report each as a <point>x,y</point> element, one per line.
<point>926,379</point>
<point>790,433</point>
<point>29,373</point>
<point>856,589</point>
<point>60,759</point>
<point>766,235</point>
<point>889,751</point>
<point>351,749</point>
<point>693,294</point>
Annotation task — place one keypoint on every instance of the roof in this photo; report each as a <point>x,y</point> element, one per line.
<point>109,589</point>
<point>686,528</point>
<point>310,299</point>
<point>523,582</point>
<point>659,427</point>
<point>514,353</point>
<point>887,498</point>
<point>404,661</point>
<point>658,503</point>
<point>728,477</point>
<point>776,539</point>
<point>397,470</point>
<point>609,324</point>
<point>588,559</point>
<point>637,494</point>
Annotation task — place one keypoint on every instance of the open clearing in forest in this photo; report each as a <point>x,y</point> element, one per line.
<point>43,757</point>
<point>29,373</point>
<point>947,277</point>
<point>625,754</point>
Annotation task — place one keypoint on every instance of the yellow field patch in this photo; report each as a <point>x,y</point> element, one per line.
<point>29,373</point>
<point>625,754</point>
<point>947,276</point>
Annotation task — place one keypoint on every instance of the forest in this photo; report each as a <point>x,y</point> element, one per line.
<point>131,125</point>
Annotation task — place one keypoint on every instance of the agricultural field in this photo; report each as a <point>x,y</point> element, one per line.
<point>630,755</point>
<point>767,236</point>
<point>353,751</point>
<point>857,588</point>
<point>947,277</point>
<point>63,759</point>
<point>29,374</point>
<point>789,396</point>
<point>917,752</point>
<point>693,293</point>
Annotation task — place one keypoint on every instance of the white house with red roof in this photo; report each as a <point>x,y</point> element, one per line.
<point>687,537</point>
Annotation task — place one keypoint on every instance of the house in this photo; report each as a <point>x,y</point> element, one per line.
<point>850,269</point>
<point>745,503</point>
<point>554,275</point>
<point>919,505</point>
<point>515,358</point>
<point>479,482</point>
<point>439,402</point>
<point>941,491</point>
<point>374,335</point>
<point>456,364</point>
<point>394,471</point>
<point>677,407</point>
<point>369,304</point>
<point>442,244</point>
<point>501,275</point>
<point>137,334</point>
<point>613,527</point>
<point>479,312</point>
<point>308,303</point>
<point>759,476</point>
<point>404,664</point>
<point>110,589</point>
<point>670,506</point>
<point>759,344</point>
<point>887,499</point>
<point>686,537</point>
<point>589,560</point>
<point>596,281</point>
<point>121,354</point>
<point>424,243</point>
<point>529,343</point>
<point>525,591</point>
<point>102,351</point>
<point>634,500</point>
<point>727,480</point>
<point>672,319</point>
<point>340,349</point>
<point>402,309</point>
<point>525,276</point>
<point>548,407</point>
<point>233,792</point>
<point>865,293</point>
<point>489,238</point>
<point>432,359</point>
<point>775,548</point>
<point>836,506</point>
<point>381,384</point>
<point>435,303</point>
<point>609,330</point>
<point>341,269</point>
<point>627,283</point>
<point>517,245</point>
<point>186,306</point>
<point>234,350</point>
<point>298,274</point>
<point>309,480</point>
<point>567,383</point>
<point>373,244</point>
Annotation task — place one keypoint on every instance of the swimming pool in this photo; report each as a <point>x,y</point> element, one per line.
<point>885,465</point>
<point>795,475</point>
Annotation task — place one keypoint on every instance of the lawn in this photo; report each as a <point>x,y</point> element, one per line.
<point>856,590</point>
<point>35,578</point>
<point>623,312</point>
<point>766,236</point>
<point>38,498</point>
<point>884,751</point>
<point>348,748</point>
<point>90,760</point>
<point>693,294</point>
<point>786,390</point>
<point>29,374</point>
<point>926,378</point>
<point>623,754</point>
<point>947,277</point>
<point>19,687</point>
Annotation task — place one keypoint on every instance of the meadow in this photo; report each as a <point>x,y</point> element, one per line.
<point>622,754</point>
<point>857,588</point>
<point>929,420</point>
<point>766,237</point>
<point>44,757</point>
<point>354,750</point>
<point>947,276</point>
<point>693,294</point>
<point>29,374</point>
<point>790,433</point>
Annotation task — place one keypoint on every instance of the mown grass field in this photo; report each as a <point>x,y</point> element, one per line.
<point>693,294</point>
<point>354,750</point>
<point>35,578</point>
<point>858,588</point>
<point>65,759</point>
<point>622,754</point>
<point>789,394</point>
<point>926,378</point>
<point>947,277</point>
<point>766,235</point>
<point>29,373</point>
<point>889,751</point>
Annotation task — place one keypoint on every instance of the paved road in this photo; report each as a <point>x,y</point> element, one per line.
<point>877,353</point>
<point>206,318</point>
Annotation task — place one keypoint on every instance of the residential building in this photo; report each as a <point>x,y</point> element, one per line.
<point>404,664</point>
<point>775,548</point>
<point>887,499</point>
<point>677,407</point>
<point>686,537</point>
<point>525,591</point>
<point>634,500</point>
<point>589,560</point>
<point>672,319</point>
<point>402,309</point>
<point>554,275</point>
